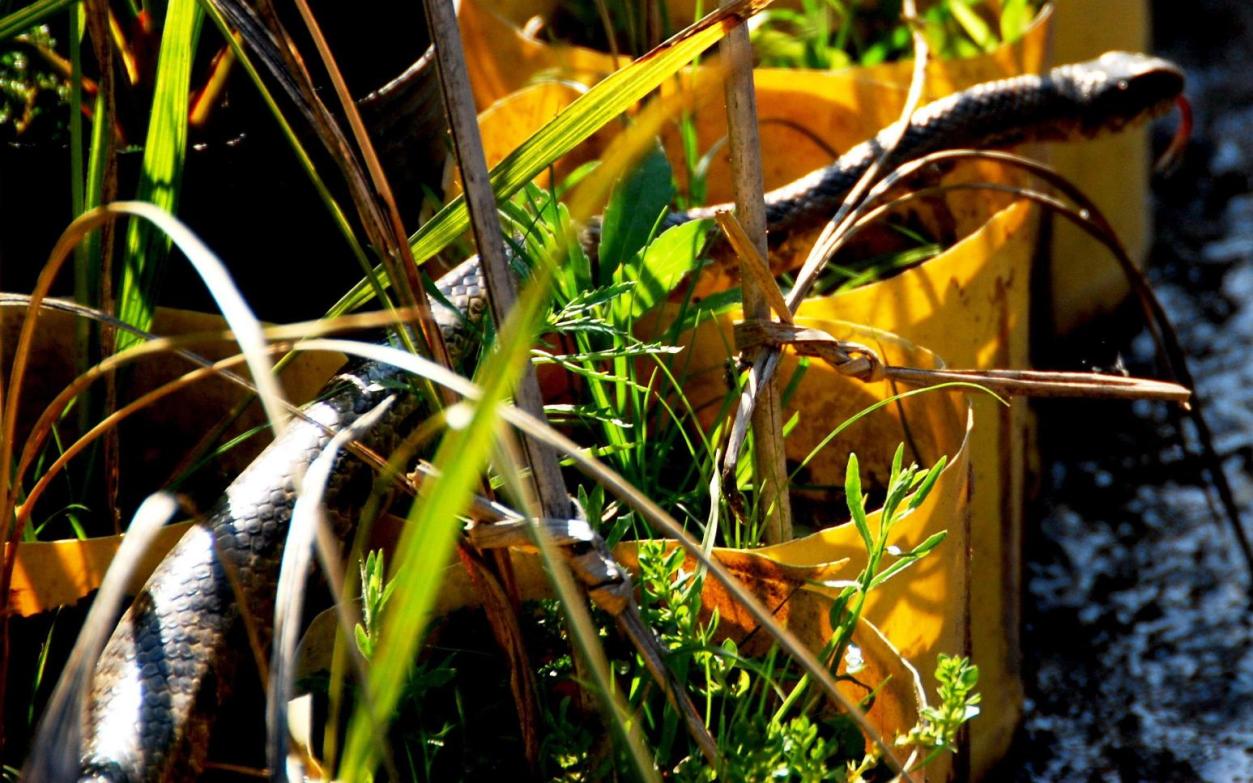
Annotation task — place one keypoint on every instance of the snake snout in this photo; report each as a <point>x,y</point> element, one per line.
<point>1133,87</point>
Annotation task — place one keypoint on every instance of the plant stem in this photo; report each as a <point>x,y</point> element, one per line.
<point>481,205</point>
<point>745,147</point>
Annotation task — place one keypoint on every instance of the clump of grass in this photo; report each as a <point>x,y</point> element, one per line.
<point>630,405</point>
<point>758,708</point>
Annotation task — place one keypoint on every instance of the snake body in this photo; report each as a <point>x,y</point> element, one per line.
<point>169,662</point>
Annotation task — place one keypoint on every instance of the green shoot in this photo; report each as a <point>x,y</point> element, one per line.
<point>938,726</point>
<point>908,487</point>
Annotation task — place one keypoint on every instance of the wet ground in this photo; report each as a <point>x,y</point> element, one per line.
<point>1139,630</point>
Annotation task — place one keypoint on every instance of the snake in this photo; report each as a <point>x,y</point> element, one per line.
<point>170,661</point>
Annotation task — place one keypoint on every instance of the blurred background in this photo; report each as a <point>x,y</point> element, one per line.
<point>1137,654</point>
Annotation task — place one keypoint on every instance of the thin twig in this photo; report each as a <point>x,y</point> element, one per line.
<point>770,478</point>
<point>767,362</point>
<point>386,213</point>
<point>860,362</point>
<point>481,204</point>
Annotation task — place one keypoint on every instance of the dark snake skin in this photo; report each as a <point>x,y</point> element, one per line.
<point>170,660</point>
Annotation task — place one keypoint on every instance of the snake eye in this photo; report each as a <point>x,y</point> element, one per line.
<point>1123,85</point>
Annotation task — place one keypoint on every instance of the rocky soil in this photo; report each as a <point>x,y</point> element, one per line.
<point>1139,628</point>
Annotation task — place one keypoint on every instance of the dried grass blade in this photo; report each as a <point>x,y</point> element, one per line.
<point>605,102</point>
<point>56,750</point>
<point>770,456</point>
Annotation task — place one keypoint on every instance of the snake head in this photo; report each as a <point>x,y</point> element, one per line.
<point>1121,88</point>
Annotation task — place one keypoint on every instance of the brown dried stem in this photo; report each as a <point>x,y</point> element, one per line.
<point>770,477</point>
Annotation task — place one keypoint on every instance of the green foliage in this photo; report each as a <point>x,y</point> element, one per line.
<point>631,399</point>
<point>938,726</point>
<point>795,751</point>
<point>908,488</point>
<point>841,33</point>
<point>906,491</point>
<point>639,201</point>
<point>374,594</point>
<point>670,597</point>
<point>423,733</point>
<point>165,151</point>
<point>31,92</point>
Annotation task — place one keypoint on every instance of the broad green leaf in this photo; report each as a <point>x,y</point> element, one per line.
<point>928,483</point>
<point>1016,16</point>
<point>659,269</point>
<point>631,215</point>
<point>606,101</point>
<point>856,501</point>
<point>165,151</point>
<point>973,24</point>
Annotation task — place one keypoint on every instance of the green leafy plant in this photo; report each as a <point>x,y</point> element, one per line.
<point>629,402</point>
<point>907,489</point>
<point>838,34</point>
<point>938,726</point>
<point>374,594</point>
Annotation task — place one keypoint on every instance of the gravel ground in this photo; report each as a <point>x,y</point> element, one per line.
<point>1139,632</point>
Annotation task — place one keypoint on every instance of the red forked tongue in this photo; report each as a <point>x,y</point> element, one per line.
<point>1174,153</point>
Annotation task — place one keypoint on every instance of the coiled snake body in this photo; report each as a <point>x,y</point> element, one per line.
<point>170,660</point>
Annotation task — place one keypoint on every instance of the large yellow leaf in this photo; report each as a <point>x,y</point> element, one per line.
<point>49,574</point>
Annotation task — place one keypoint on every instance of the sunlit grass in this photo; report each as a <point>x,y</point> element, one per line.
<point>648,462</point>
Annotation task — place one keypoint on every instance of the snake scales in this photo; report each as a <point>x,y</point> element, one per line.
<point>171,658</point>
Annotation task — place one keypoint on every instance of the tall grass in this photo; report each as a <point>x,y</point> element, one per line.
<point>649,453</point>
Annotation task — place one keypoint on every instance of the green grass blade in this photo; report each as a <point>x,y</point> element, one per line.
<point>82,265</point>
<point>76,115</point>
<point>973,25</point>
<point>165,152</point>
<point>25,18</point>
<point>605,102</point>
<point>431,530</point>
<point>338,216</point>
<point>665,261</point>
<point>869,409</point>
<point>93,196</point>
